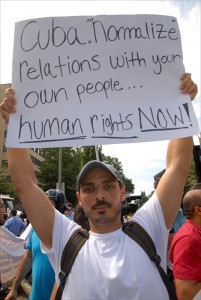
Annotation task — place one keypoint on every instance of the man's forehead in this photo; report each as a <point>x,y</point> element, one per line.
<point>90,179</point>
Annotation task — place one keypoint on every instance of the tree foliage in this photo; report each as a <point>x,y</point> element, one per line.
<point>6,187</point>
<point>192,176</point>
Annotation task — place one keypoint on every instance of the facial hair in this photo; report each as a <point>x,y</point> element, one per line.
<point>103,218</point>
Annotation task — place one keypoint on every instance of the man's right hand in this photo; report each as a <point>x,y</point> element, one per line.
<point>8,105</point>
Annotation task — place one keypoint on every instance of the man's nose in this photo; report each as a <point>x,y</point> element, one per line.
<point>100,195</point>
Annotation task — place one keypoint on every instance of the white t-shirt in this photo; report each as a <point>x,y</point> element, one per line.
<point>112,266</point>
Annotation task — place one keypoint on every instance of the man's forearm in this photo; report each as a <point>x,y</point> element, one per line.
<point>171,185</point>
<point>179,153</point>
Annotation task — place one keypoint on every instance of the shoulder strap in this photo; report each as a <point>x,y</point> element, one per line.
<point>137,233</point>
<point>69,254</point>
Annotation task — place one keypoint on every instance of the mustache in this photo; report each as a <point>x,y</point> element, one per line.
<point>101,202</point>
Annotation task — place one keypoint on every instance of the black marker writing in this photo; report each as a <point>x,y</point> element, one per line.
<point>47,128</point>
<point>163,60</point>
<point>98,87</point>
<point>33,98</point>
<point>127,60</point>
<point>62,67</point>
<point>111,33</point>
<point>55,36</point>
<point>158,119</point>
<point>110,124</point>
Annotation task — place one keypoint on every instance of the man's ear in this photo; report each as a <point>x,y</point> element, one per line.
<point>123,193</point>
<point>78,198</point>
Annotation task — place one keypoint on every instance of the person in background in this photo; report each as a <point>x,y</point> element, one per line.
<point>23,217</point>
<point>80,217</point>
<point>3,288</point>
<point>185,251</point>
<point>68,211</point>
<point>179,220</point>
<point>14,224</point>
<point>109,257</point>
<point>43,276</point>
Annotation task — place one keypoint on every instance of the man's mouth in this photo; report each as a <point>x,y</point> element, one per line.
<point>101,205</point>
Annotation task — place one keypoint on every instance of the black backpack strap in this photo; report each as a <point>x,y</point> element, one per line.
<point>139,234</point>
<point>69,254</point>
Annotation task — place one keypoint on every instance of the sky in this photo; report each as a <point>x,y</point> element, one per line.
<point>140,161</point>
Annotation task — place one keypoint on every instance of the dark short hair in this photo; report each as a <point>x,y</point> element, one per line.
<point>13,212</point>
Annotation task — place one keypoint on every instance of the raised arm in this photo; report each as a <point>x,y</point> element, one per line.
<point>39,210</point>
<point>179,154</point>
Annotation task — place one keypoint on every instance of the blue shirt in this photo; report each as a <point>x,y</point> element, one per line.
<point>179,221</point>
<point>43,276</point>
<point>15,225</point>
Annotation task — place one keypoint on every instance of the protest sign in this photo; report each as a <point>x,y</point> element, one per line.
<point>98,80</point>
<point>11,252</point>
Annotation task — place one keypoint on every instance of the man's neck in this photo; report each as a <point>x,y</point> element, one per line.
<point>104,228</point>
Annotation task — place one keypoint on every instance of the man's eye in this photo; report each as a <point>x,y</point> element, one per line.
<point>88,189</point>
<point>109,186</point>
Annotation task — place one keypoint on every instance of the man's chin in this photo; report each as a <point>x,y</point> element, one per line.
<point>102,220</point>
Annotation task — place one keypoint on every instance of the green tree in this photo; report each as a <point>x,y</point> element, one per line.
<point>192,176</point>
<point>113,161</point>
<point>48,175</point>
<point>6,186</point>
<point>88,153</point>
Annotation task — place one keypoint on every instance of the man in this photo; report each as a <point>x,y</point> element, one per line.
<point>185,252</point>
<point>110,265</point>
<point>69,213</point>
<point>3,288</point>
<point>14,224</point>
<point>43,276</point>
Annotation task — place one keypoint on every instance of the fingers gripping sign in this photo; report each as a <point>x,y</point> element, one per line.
<point>8,105</point>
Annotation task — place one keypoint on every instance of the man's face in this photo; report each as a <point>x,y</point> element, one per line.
<point>101,197</point>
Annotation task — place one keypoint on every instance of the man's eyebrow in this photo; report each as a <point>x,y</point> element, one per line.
<point>86,183</point>
<point>104,181</point>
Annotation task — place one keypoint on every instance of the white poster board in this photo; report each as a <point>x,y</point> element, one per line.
<point>98,80</point>
<point>11,252</point>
